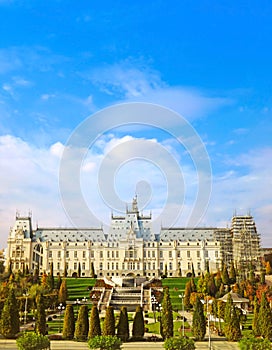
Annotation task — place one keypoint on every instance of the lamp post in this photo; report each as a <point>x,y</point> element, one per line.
<point>26,297</point>
<point>182,300</point>
<point>60,308</point>
<point>208,302</point>
<point>154,302</point>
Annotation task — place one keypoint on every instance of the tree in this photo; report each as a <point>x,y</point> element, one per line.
<point>94,326</point>
<point>123,327</point>
<point>51,277</point>
<point>109,322</point>
<point>40,325</point>
<point>255,321</point>
<point>10,324</point>
<point>82,324</point>
<point>79,270</point>
<point>265,318</point>
<point>167,328</point>
<point>232,325</point>
<point>268,268</point>
<point>187,294</point>
<point>63,292</point>
<point>59,281</point>
<point>69,323</point>
<point>225,275</point>
<point>138,323</point>
<point>65,272</point>
<point>92,272</point>
<point>199,322</point>
<point>232,273</point>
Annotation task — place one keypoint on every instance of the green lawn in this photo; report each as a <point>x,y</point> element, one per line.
<point>78,288</point>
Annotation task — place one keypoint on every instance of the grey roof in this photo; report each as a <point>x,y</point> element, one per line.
<point>185,234</point>
<point>69,234</point>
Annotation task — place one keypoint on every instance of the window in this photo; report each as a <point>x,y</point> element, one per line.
<point>188,254</point>
<point>75,266</point>
<point>178,254</point>
<point>117,266</point>
<point>117,254</point>
<point>50,254</point>
<point>198,253</point>
<point>198,266</point>
<point>206,254</point>
<point>75,254</point>
<point>108,254</point>
<point>144,254</point>
<point>84,254</point>
<point>148,253</point>
<point>58,266</point>
<point>101,254</point>
<point>131,253</point>
<point>59,253</point>
<point>216,253</point>
<point>161,266</point>
<point>67,254</point>
<point>112,254</point>
<point>108,265</point>
<point>170,266</point>
<point>170,254</point>
<point>92,254</point>
<point>161,254</point>
<point>153,254</point>
<point>154,266</point>
<point>101,266</point>
<point>83,266</point>
<point>189,266</point>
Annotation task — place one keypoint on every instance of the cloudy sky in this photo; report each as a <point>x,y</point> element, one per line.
<point>62,62</point>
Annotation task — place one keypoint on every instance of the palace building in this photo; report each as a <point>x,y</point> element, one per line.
<point>131,248</point>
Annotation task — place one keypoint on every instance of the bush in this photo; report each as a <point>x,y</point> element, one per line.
<point>180,343</point>
<point>33,341</point>
<point>252,343</point>
<point>105,342</point>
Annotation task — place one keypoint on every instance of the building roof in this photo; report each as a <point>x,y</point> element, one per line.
<point>236,298</point>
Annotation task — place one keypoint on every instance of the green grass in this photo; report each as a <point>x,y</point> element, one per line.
<point>78,288</point>
<point>176,287</point>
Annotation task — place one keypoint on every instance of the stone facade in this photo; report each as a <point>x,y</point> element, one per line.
<point>130,248</point>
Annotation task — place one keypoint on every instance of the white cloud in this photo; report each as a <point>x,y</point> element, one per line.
<point>130,81</point>
<point>29,181</point>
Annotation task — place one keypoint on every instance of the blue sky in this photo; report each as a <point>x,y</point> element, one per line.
<point>210,61</point>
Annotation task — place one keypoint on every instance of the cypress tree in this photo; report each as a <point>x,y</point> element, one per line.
<point>10,324</point>
<point>40,325</point>
<point>92,272</point>
<point>51,277</point>
<point>94,326</point>
<point>218,280</point>
<point>63,292</point>
<point>109,322</point>
<point>225,275</point>
<point>59,281</point>
<point>123,327</point>
<point>232,273</point>
<point>262,276</point>
<point>138,323</point>
<point>255,321</point>
<point>265,318</point>
<point>82,324</point>
<point>199,322</point>
<point>167,328</point>
<point>232,325</point>
<point>69,323</point>
<point>187,294</point>
<point>79,270</point>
